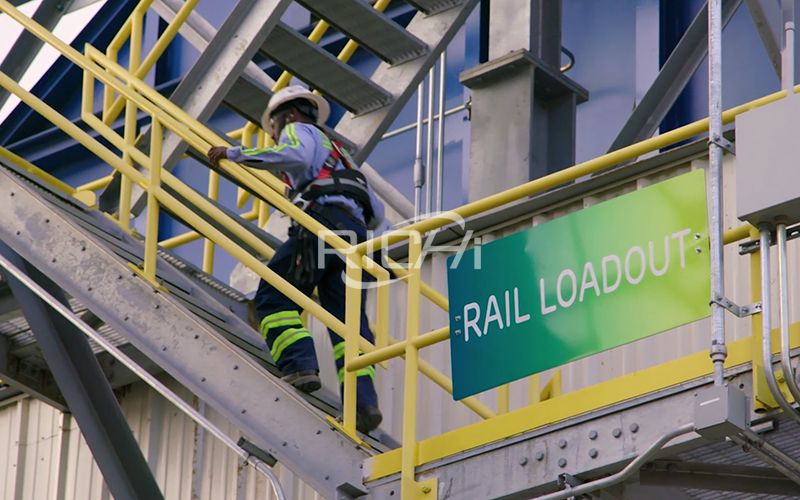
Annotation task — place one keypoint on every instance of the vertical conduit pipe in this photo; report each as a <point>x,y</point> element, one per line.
<point>429,141</point>
<point>419,169</point>
<point>787,54</point>
<point>440,135</point>
<point>783,302</point>
<point>766,325</point>
<point>718,349</point>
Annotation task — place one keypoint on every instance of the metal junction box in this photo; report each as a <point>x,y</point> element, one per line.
<point>768,163</point>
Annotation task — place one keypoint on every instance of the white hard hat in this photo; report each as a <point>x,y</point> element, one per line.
<point>292,93</point>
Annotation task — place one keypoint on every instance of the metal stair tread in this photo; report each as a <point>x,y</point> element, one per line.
<point>247,98</point>
<point>401,81</point>
<point>323,71</point>
<point>370,28</point>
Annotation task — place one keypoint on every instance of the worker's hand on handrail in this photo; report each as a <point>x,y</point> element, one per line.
<point>217,153</point>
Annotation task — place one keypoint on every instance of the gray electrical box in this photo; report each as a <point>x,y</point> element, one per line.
<point>768,163</point>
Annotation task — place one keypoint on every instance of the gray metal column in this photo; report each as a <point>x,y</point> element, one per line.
<point>523,108</point>
<point>85,389</point>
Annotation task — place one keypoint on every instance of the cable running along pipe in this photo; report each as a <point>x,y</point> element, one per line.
<point>142,374</point>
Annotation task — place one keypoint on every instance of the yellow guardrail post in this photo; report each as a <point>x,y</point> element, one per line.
<point>534,389</point>
<point>208,245</point>
<point>353,325</point>
<point>503,398</point>
<point>154,188</point>
<point>125,190</point>
<point>382,297</point>
<point>141,69</point>
<point>410,488</point>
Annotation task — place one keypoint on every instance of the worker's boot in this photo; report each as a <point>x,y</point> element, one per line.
<point>368,419</point>
<point>368,415</point>
<point>304,381</point>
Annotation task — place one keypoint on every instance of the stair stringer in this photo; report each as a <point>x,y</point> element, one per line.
<point>269,412</point>
<point>401,80</point>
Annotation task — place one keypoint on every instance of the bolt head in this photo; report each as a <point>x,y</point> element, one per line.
<point>539,456</point>
<point>592,435</point>
<point>523,461</point>
<point>634,427</point>
<point>562,462</point>
<point>562,443</point>
<point>617,432</point>
<point>593,453</point>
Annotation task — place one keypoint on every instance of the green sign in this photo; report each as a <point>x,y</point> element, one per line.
<point>596,279</point>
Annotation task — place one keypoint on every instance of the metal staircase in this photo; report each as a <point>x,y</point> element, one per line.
<point>190,329</point>
<point>224,72</point>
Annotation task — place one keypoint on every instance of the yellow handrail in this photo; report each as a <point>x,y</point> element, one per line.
<point>198,142</point>
<point>37,172</point>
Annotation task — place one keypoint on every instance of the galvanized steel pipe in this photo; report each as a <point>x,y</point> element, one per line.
<point>419,169</point>
<point>440,134</point>
<point>766,326</point>
<point>718,349</point>
<point>783,302</point>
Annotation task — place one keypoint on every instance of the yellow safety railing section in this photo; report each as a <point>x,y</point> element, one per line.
<point>164,115</point>
<point>134,94</point>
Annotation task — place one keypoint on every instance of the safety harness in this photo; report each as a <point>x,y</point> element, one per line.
<point>347,182</point>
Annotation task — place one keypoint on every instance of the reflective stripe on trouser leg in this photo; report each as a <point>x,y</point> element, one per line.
<point>338,358</point>
<point>280,319</point>
<point>364,372</point>
<point>286,339</point>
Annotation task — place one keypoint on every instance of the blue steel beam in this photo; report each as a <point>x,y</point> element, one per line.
<point>672,79</point>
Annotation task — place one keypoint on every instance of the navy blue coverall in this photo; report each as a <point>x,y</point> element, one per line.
<point>300,156</point>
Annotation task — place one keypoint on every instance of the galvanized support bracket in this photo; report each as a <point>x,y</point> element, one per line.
<point>753,246</point>
<point>739,311</point>
<point>724,144</point>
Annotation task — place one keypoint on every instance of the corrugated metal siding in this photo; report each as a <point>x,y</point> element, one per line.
<point>44,456</point>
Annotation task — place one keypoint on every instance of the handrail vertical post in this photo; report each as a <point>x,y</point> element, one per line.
<point>151,236</point>
<point>126,185</point>
<point>410,489</point>
<point>719,351</point>
<point>208,246</point>
<point>503,398</point>
<point>382,309</point>
<point>534,389</point>
<point>352,321</point>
